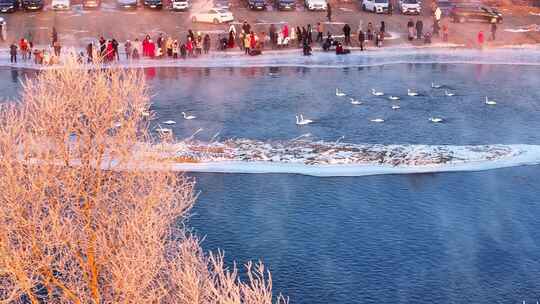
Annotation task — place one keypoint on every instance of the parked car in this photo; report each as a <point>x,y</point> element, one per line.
<point>410,7</point>
<point>283,5</point>
<point>446,7</point>
<point>215,15</point>
<point>32,5</point>
<point>464,13</point>
<point>316,5</point>
<point>60,5</point>
<point>126,4</point>
<point>90,4</point>
<point>376,6</point>
<point>180,5</point>
<point>155,4</point>
<point>8,6</point>
<point>256,4</point>
<point>222,4</point>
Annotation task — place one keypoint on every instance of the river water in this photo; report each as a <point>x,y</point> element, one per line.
<point>417,238</point>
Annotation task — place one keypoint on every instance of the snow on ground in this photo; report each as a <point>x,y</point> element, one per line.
<point>335,159</point>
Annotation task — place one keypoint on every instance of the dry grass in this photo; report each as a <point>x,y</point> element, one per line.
<point>73,232</point>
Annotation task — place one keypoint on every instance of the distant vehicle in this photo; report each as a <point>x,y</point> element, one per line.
<point>376,6</point>
<point>32,5</point>
<point>283,5</point>
<point>256,4</point>
<point>60,5</point>
<point>180,5</point>
<point>222,4</point>
<point>8,6</point>
<point>410,7</point>
<point>215,15</point>
<point>155,4</point>
<point>465,13</point>
<point>126,4</point>
<point>89,4</point>
<point>316,5</point>
<point>446,7</point>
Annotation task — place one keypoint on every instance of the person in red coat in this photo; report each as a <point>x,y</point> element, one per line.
<point>110,51</point>
<point>285,31</point>
<point>252,41</point>
<point>480,38</point>
<point>145,46</point>
<point>151,49</point>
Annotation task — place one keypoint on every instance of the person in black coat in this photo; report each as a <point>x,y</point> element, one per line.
<point>361,39</point>
<point>13,53</point>
<point>347,34</point>
<point>329,12</point>
<point>419,29</point>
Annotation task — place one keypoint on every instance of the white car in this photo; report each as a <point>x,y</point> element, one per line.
<point>215,15</point>
<point>410,7</point>
<point>60,5</point>
<point>316,5</point>
<point>180,5</point>
<point>376,6</point>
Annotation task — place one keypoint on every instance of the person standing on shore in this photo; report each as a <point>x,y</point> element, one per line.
<point>361,39</point>
<point>127,48</point>
<point>347,34</point>
<point>329,12</point>
<point>54,36</point>
<point>369,31</point>
<point>206,43</point>
<point>90,53</point>
<point>445,33</point>
<point>13,53</point>
<point>320,32</point>
<point>410,28</point>
<point>309,34</point>
<point>419,29</point>
<point>493,29</point>
<point>480,39</point>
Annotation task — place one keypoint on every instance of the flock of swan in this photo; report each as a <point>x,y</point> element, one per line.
<point>162,130</point>
<point>301,121</point>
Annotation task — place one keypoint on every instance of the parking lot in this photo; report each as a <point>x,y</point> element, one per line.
<point>77,26</point>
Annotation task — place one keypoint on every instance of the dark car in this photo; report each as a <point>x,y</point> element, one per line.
<point>464,13</point>
<point>8,6</point>
<point>126,4</point>
<point>90,4</point>
<point>222,4</point>
<point>256,4</point>
<point>32,5</point>
<point>285,4</point>
<point>155,4</point>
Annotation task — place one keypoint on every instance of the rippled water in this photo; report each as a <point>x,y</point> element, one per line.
<point>418,238</point>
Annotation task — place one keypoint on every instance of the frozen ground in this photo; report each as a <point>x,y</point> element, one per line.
<point>336,159</point>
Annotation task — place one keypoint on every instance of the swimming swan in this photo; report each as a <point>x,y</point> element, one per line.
<point>448,94</point>
<point>395,107</point>
<point>188,117</point>
<point>376,93</point>
<point>355,102</point>
<point>435,119</point>
<point>393,98</point>
<point>169,122</point>
<point>412,93</point>
<point>339,93</point>
<point>490,102</point>
<point>302,121</point>
<point>435,86</point>
<point>377,120</point>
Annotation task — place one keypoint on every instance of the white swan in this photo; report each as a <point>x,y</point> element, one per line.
<point>302,121</point>
<point>395,107</point>
<point>169,122</point>
<point>377,120</point>
<point>448,94</point>
<point>355,102</point>
<point>490,102</point>
<point>435,86</point>
<point>393,97</point>
<point>339,93</point>
<point>412,93</point>
<point>188,117</point>
<point>435,119</point>
<point>376,93</point>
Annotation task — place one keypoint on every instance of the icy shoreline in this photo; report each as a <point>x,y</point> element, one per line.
<point>451,54</point>
<point>337,159</point>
